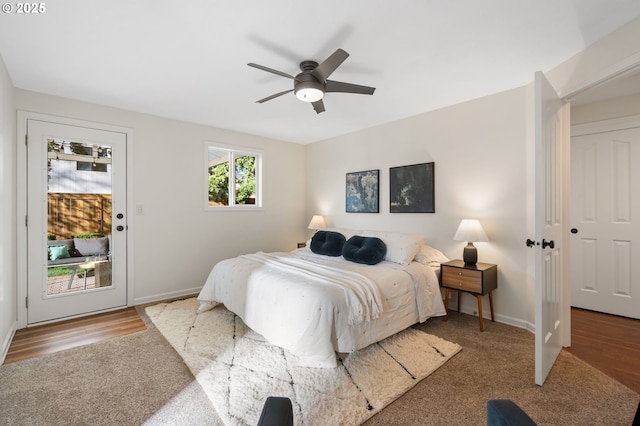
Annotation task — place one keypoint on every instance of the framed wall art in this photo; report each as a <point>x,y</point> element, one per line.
<point>411,189</point>
<point>362,192</point>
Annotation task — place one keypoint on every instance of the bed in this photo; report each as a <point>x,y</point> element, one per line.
<point>316,304</point>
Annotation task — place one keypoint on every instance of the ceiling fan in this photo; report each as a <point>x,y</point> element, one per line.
<point>312,83</point>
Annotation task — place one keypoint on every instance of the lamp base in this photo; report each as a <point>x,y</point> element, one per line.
<point>470,254</point>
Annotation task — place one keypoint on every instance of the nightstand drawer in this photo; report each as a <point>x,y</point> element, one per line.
<point>462,279</point>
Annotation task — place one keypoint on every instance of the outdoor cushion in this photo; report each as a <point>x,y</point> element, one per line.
<point>68,243</point>
<point>58,252</point>
<point>92,246</point>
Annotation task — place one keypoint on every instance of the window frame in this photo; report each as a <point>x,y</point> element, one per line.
<point>234,152</point>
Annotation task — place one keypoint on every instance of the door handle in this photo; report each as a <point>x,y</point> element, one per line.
<point>574,231</point>
<point>549,244</point>
<point>530,242</point>
<point>119,215</point>
<point>120,228</point>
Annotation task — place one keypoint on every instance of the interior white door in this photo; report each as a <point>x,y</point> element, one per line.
<point>552,144</point>
<point>51,147</point>
<point>605,183</point>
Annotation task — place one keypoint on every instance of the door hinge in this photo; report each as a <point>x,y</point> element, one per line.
<point>26,139</point>
<point>26,221</point>
<point>26,302</point>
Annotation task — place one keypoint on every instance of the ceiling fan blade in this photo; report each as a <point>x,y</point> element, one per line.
<point>325,69</point>
<point>338,86</point>
<point>271,70</point>
<point>268,98</point>
<point>318,106</point>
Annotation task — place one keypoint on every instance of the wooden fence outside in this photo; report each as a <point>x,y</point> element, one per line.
<point>71,214</point>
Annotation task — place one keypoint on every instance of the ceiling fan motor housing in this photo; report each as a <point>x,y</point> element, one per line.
<point>305,81</point>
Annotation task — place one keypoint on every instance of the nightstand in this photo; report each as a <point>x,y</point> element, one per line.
<point>478,279</point>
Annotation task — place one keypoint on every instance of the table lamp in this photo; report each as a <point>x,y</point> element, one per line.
<point>470,231</point>
<point>317,222</point>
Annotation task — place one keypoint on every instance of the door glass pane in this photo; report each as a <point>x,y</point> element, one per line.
<point>79,202</point>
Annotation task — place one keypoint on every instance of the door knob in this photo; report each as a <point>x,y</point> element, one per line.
<point>530,242</point>
<point>549,244</point>
<point>120,228</point>
<point>574,231</point>
<point>119,215</point>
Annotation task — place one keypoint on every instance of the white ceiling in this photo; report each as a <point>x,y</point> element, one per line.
<point>187,60</point>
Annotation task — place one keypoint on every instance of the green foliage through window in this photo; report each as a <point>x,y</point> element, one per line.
<point>232,177</point>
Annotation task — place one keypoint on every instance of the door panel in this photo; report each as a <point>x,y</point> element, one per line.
<point>551,139</point>
<point>76,264</point>
<point>604,205</point>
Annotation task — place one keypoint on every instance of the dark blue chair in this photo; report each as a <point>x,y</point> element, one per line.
<point>277,411</point>
<point>504,412</point>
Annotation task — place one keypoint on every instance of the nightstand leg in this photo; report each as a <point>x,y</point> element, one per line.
<point>491,306</point>
<point>446,304</point>
<point>480,312</point>
<point>458,295</point>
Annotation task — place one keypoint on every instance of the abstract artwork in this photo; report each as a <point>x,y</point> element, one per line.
<point>362,192</point>
<point>411,189</point>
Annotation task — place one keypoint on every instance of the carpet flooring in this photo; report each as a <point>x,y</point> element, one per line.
<point>239,369</point>
<point>139,379</point>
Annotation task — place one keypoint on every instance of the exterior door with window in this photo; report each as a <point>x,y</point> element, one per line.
<point>76,224</point>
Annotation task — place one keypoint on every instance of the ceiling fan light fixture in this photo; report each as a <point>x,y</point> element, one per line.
<point>307,88</point>
<point>308,92</point>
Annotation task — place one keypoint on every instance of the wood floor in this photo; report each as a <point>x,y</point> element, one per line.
<point>608,343</point>
<point>49,338</point>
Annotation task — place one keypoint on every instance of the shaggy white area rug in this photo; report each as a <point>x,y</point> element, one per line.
<point>239,369</point>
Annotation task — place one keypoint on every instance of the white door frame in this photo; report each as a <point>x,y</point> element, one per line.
<point>21,255</point>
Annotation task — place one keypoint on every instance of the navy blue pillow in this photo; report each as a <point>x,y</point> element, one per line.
<point>367,250</point>
<point>327,243</point>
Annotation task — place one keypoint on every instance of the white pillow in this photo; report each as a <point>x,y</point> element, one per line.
<point>348,233</point>
<point>401,248</point>
<point>428,255</point>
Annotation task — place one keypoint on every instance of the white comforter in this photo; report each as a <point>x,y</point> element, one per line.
<point>316,305</point>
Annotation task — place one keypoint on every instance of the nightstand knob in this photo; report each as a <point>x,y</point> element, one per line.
<point>459,273</point>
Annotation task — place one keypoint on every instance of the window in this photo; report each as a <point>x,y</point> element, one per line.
<point>233,177</point>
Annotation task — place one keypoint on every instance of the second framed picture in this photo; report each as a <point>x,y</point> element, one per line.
<point>411,189</point>
<point>362,192</point>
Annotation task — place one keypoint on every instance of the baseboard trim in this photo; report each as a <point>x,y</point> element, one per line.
<point>503,319</point>
<point>6,343</point>
<point>166,296</point>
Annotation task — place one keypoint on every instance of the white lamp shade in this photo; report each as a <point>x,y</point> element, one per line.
<point>317,222</point>
<point>471,231</point>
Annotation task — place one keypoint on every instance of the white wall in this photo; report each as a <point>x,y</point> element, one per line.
<point>479,150</point>
<point>604,110</point>
<point>612,54</point>
<point>176,242</point>
<point>8,312</point>
<point>490,139</point>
